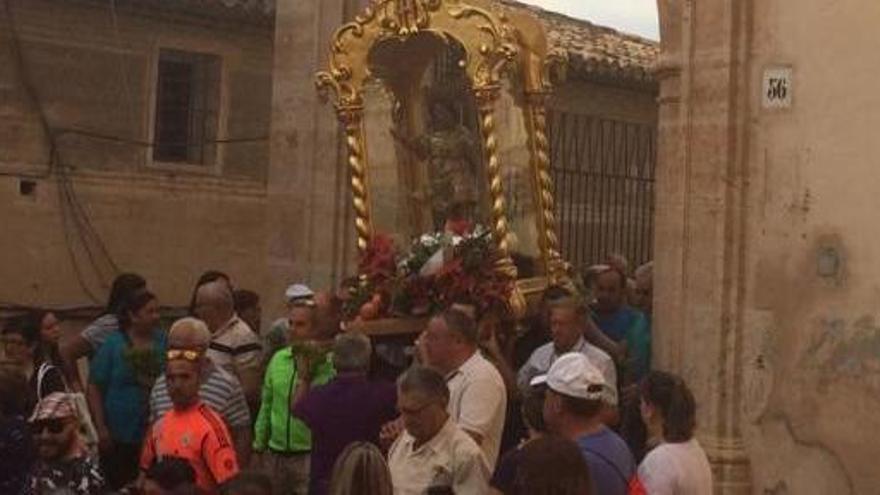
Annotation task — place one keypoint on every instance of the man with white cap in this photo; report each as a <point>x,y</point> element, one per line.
<point>576,394</point>
<point>276,337</point>
<point>64,465</point>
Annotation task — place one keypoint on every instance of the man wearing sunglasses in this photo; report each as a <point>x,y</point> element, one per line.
<point>191,430</point>
<point>189,338</point>
<point>64,465</point>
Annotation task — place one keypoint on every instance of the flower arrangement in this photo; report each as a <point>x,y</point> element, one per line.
<point>436,271</point>
<point>146,365</point>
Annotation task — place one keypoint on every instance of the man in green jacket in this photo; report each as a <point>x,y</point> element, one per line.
<point>284,441</point>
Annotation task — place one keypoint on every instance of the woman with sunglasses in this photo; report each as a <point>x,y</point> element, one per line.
<point>120,378</point>
<point>23,348</point>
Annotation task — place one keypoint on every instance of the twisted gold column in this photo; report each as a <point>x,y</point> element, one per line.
<point>540,155</point>
<point>486,97</point>
<point>352,118</point>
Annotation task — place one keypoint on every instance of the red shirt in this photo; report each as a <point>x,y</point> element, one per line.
<point>198,435</point>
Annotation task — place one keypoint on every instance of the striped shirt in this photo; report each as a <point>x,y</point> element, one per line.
<point>236,348</point>
<point>219,389</point>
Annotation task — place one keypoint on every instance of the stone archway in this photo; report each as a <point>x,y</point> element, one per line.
<point>699,244</point>
<point>766,269</point>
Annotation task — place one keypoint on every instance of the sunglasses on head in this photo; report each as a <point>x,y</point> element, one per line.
<point>187,354</point>
<point>55,426</point>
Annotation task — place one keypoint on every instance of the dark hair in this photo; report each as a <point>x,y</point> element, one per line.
<point>578,305</point>
<point>581,407</point>
<point>25,326</point>
<point>555,292</point>
<point>133,304</point>
<point>671,396</point>
<point>461,323</point>
<point>552,465</point>
<point>171,473</point>
<point>532,408</point>
<point>123,286</point>
<point>249,479</point>
<point>35,319</point>
<point>244,299</point>
<point>422,379</point>
<point>206,278</point>
<point>13,391</point>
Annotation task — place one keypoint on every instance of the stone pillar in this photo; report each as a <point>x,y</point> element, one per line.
<point>700,240</point>
<point>311,231</point>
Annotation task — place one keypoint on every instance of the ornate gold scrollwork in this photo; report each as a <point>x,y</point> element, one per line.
<point>492,40</point>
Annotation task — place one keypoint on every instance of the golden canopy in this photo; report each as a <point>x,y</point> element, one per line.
<point>497,43</point>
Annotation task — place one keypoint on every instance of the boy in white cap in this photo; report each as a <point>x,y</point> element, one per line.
<point>576,394</point>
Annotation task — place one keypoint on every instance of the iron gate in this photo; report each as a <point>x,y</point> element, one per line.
<point>603,172</point>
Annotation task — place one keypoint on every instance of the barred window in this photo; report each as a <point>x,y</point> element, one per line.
<point>187,102</point>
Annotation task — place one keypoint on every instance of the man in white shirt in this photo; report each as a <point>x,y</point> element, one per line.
<point>433,452</point>
<point>477,396</point>
<point>567,324</point>
<point>234,346</point>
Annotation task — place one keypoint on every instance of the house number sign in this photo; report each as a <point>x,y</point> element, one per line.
<point>777,88</point>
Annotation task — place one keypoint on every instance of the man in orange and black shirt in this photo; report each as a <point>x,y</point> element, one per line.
<point>192,430</point>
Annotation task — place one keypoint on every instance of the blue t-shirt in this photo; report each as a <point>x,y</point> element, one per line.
<point>610,461</point>
<point>630,325</point>
<point>125,399</point>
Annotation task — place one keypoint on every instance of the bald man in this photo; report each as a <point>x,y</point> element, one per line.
<point>234,347</point>
<point>218,389</point>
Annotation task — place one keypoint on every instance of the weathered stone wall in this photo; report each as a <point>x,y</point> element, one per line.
<point>617,102</point>
<point>765,283</point>
<point>96,74</point>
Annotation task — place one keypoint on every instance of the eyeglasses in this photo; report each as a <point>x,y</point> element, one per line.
<point>55,426</point>
<point>187,354</point>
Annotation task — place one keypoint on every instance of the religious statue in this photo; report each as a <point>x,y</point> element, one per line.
<point>452,156</point>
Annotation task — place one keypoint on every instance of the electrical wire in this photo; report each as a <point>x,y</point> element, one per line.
<point>54,160</point>
<point>76,222</point>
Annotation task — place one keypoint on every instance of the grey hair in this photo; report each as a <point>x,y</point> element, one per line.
<point>351,352</point>
<point>217,292</point>
<point>425,381</point>
<point>461,323</point>
<point>195,328</point>
<point>576,304</point>
<point>645,272</point>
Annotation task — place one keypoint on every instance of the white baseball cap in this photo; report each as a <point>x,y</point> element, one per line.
<point>296,292</point>
<point>573,375</point>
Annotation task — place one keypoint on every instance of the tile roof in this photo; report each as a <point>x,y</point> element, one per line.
<point>260,6</point>
<point>594,51</point>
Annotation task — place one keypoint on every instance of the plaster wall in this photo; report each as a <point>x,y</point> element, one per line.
<point>766,283</point>
<point>92,72</point>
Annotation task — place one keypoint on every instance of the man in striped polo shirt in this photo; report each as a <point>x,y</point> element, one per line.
<point>234,346</point>
<point>217,388</point>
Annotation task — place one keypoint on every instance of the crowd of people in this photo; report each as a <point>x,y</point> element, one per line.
<point>565,402</point>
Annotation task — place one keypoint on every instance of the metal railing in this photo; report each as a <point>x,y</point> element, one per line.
<point>603,172</point>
